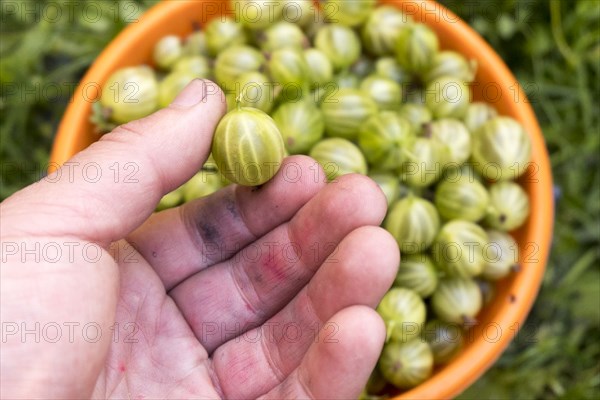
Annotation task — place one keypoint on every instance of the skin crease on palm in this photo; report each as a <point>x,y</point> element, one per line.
<point>195,319</point>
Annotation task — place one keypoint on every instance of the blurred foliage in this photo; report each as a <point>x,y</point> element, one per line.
<point>552,47</point>
<point>46,47</point>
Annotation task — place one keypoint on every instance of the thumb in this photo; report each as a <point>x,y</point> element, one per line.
<point>110,188</point>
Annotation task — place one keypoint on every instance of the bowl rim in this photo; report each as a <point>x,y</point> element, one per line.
<point>457,376</point>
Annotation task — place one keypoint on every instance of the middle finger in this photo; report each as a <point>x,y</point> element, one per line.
<point>239,294</point>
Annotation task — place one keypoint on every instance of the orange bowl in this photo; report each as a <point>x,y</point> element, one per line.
<point>499,322</point>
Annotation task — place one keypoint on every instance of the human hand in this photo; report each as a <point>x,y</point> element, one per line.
<point>243,294</point>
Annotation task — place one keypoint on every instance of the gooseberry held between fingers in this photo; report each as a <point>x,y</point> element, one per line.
<point>247,146</point>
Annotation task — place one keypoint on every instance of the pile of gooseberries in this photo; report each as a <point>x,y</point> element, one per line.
<point>365,90</point>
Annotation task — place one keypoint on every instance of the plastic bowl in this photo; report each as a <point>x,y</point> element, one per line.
<point>498,322</point>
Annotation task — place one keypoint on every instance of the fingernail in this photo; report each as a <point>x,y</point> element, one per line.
<point>192,94</point>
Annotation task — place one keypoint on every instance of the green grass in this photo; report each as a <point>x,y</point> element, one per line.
<point>554,50</point>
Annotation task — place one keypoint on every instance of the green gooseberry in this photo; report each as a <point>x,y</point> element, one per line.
<point>477,114</point>
<point>382,29</point>
<point>450,63</point>
<point>287,66</point>
<point>338,157</point>
<point>447,97</point>
<point>416,47</point>
<point>198,66</point>
<point>445,339</point>
<point>424,162</point>
<point>247,146</point>
<point>195,44</point>
<point>257,14</point>
<point>345,111</point>
<point>222,33</point>
<point>416,114</point>
<point>458,248</point>
<point>389,68</point>
<point>234,61</point>
<point>501,149</point>
<point>461,198</point>
<point>417,272</point>
<point>320,70</point>
<point>454,135</point>
<point>457,301</point>
<point>130,93</point>
<point>386,93</point>
<point>414,223</point>
<point>403,312</point>
<point>280,35</point>
<point>509,206</point>
<point>255,91</point>
<point>349,13</point>
<point>406,365</point>
<point>501,255</point>
<point>301,125</point>
<point>388,183</point>
<point>384,138</point>
<point>167,51</point>
<point>340,44</point>
<point>202,184</point>
<point>170,200</point>
<point>171,85</point>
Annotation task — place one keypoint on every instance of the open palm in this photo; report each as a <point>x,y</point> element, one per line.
<point>250,292</point>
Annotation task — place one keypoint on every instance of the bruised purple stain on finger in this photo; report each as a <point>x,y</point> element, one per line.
<point>208,232</point>
<point>230,206</point>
